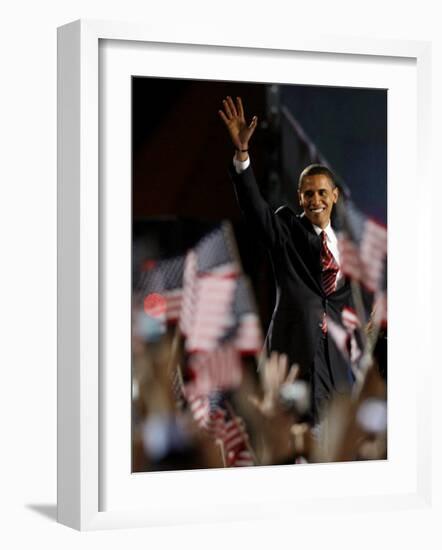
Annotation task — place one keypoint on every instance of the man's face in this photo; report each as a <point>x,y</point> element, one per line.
<point>317,197</point>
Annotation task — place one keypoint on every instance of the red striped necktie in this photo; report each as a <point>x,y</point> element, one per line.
<point>329,266</point>
<point>330,270</point>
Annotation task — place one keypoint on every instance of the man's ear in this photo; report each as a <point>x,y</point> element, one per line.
<point>299,198</point>
<point>335,195</point>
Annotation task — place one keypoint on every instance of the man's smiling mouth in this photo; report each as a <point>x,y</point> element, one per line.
<point>317,210</point>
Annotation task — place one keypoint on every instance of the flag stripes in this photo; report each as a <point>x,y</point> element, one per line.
<point>219,369</point>
<point>349,318</point>
<point>160,284</point>
<point>363,254</point>
<point>243,458</point>
<point>344,336</point>
<point>249,339</point>
<point>227,429</point>
<point>340,336</point>
<point>206,292</point>
<point>216,251</point>
<point>211,312</point>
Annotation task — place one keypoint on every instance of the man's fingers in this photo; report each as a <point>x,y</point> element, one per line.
<point>223,116</point>
<point>254,122</point>
<point>270,369</point>
<point>231,105</point>
<point>274,358</point>
<point>227,108</point>
<point>282,367</point>
<point>293,373</point>
<point>251,128</point>
<point>240,107</point>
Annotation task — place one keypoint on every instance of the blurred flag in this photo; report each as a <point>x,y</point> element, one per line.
<point>345,336</point>
<point>199,407</point>
<point>216,252</point>
<point>246,330</point>
<point>189,292</point>
<point>351,322</point>
<point>219,369</point>
<point>249,339</point>
<point>210,273</point>
<point>211,415</point>
<point>362,247</point>
<point>210,314</point>
<point>236,443</point>
<point>340,337</point>
<point>160,285</point>
<point>205,409</point>
<point>243,458</point>
<point>349,319</point>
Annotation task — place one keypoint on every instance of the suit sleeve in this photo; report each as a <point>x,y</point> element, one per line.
<point>270,229</point>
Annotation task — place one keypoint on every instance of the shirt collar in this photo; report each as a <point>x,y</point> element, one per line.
<point>328,231</point>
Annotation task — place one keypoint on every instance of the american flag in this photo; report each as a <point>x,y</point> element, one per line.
<point>160,286</point>
<point>246,330</point>
<point>344,336</point>
<point>189,292</point>
<point>209,315</point>
<point>362,248</point>
<point>210,274</point>
<point>217,254</point>
<point>243,458</point>
<point>340,336</point>
<point>235,443</point>
<point>350,320</point>
<point>249,340</point>
<point>199,407</point>
<point>210,415</point>
<point>219,369</point>
<point>207,411</point>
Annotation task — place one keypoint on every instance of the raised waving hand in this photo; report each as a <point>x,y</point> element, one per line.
<point>233,116</point>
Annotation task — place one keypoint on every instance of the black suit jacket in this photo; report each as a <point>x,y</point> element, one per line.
<point>294,247</point>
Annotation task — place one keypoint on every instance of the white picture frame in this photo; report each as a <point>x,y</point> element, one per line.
<point>80,437</point>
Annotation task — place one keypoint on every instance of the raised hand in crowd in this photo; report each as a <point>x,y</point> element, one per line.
<point>274,375</point>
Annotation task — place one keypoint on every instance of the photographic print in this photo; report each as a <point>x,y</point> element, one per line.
<point>259,274</point>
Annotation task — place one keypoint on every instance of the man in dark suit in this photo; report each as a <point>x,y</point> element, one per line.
<point>305,258</point>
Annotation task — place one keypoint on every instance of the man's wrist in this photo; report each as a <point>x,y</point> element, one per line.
<point>241,155</point>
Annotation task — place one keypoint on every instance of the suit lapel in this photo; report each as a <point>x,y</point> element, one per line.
<point>313,250</point>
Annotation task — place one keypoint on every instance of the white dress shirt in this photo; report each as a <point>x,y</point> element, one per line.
<point>241,165</point>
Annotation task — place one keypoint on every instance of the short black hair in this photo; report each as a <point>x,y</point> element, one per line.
<point>315,169</point>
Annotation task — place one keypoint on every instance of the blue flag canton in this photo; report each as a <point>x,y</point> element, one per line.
<point>216,249</point>
<point>162,275</point>
<point>355,222</point>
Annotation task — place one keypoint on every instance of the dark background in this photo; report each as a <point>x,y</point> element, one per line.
<point>181,151</point>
